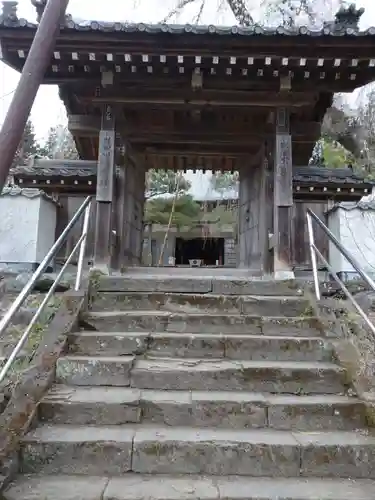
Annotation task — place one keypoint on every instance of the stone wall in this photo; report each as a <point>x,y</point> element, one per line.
<point>27,227</point>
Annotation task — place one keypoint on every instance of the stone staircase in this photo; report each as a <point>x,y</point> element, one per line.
<point>173,391</point>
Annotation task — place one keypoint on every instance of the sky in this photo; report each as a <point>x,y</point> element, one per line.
<point>121,10</point>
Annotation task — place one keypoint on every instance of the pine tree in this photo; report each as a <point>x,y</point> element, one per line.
<point>28,146</point>
<point>186,211</point>
<point>60,144</point>
<point>161,182</point>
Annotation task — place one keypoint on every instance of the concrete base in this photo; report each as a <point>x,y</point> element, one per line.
<point>284,275</point>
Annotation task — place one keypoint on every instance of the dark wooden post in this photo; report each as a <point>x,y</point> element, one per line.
<point>283,197</point>
<point>27,88</point>
<point>105,191</point>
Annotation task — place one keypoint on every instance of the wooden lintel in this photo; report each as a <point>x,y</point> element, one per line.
<point>88,125</point>
<point>186,98</point>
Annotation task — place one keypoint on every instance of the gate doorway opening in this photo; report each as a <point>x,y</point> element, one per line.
<point>209,250</point>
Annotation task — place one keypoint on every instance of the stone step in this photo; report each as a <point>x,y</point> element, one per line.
<point>236,410</point>
<point>144,486</point>
<point>249,347</point>
<point>115,450</point>
<point>165,321</point>
<point>196,303</point>
<point>195,284</point>
<point>89,370</point>
<point>195,374</point>
<point>231,375</point>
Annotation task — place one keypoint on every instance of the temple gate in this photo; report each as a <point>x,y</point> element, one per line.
<point>185,97</point>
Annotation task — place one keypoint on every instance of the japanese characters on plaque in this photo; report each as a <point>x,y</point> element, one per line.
<point>105,180</point>
<point>284,174</point>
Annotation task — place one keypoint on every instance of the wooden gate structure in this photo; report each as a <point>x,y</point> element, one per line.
<point>181,97</point>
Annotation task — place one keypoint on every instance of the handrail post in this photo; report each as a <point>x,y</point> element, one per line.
<point>82,250</point>
<point>313,255</point>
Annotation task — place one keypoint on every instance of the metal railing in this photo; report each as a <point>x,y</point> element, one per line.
<point>85,209</point>
<point>315,252</point>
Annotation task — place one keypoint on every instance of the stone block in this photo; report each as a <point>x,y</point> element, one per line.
<point>337,454</point>
<point>131,321</point>
<point>92,343</point>
<point>298,327</point>
<point>247,488</point>
<point>90,370</point>
<point>320,412</point>
<point>278,306</point>
<point>182,345</point>
<point>96,451</point>
<point>166,407</point>
<point>231,410</point>
<point>151,284</point>
<point>217,452</point>
<point>172,302</point>
<point>136,486</point>
<point>228,375</point>
<point>257,287</point>
<point>276,348</point>
<point>91,405</point>
<point>214,323</point>
<point>57,487</point>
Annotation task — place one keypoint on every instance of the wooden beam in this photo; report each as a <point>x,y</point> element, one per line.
<point>190,131</point>
<point>185,98</point>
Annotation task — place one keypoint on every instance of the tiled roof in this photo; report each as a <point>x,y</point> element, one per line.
<point>27,193</point>
<point>178,29</point>
<point>345,23</point>
<point>81,168</point>
<point>61,168</point>
<point>330,175</point>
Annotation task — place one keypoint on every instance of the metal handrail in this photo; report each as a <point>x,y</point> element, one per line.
<point>315,252</point>
<point>14,308</point>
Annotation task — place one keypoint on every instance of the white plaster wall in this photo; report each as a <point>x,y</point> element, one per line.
<point>19,229</point>
<point>356,230</point>
<point>46,228</point>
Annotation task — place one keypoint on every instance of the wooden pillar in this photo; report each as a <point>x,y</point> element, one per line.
<point>283,197</point>
<point>105,191</point>
<point>140,225</point>
<point>119,218</point>
<point>252,232</point>
<point>129,214</point>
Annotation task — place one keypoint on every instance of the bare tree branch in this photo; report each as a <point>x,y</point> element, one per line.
<point>238,7</point>
<point>240,12</point>
<point>181,4</point>
<point>199,15</point>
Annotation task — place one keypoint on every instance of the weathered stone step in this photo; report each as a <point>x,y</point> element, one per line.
<point>196,303</point>
<point>195,374</point>
<point>249,347</point>
<point>165,321</point>
<point>210,284</point>
<point>99,450</point>
<point>87,370</point>
<point>144,486</point>
<point>256,376</point>
<point>236,410</point>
